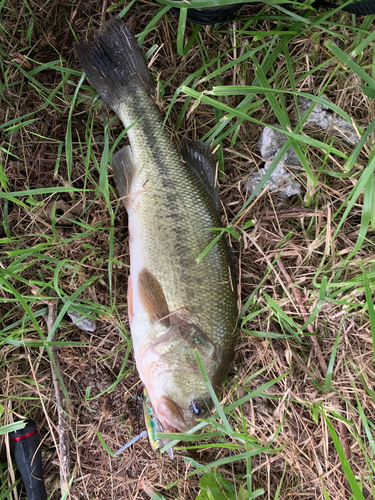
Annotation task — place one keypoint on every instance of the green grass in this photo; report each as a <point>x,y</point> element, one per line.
<point>223,86</point>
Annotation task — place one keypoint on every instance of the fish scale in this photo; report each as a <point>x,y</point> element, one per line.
<point>176,304</point>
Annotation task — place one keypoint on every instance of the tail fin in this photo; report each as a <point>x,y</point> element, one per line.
<point>113,62</point>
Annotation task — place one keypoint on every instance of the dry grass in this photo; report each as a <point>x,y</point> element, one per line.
<point>82,245</point>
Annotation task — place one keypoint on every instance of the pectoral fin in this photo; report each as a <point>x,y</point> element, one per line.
<point>151,296</point>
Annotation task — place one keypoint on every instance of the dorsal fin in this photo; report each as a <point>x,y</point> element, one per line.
<point>151,296</point>
<point>123,170</point>
<point>199,156</point>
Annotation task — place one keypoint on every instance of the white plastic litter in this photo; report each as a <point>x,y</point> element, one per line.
<point>80,320</point>
<point>271,142</point>
<point>272,139</point>
<point>323,118</point>
<point>281,182</point>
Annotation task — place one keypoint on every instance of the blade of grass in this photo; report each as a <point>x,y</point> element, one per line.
<point>68,136</point>
<point>327,385</point>
<point>212,392</point>
<point>15,426</point>
<point>355,487</point>
<point>370,307</point>
<point>302,138</point>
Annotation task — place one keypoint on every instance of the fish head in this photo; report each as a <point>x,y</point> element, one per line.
<point>174,383</point>
<point>178,400</point>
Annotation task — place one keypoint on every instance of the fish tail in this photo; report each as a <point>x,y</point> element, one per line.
<point>114,63</point>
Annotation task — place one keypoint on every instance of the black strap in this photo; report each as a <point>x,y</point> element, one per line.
<point>219,15</point>
<point>363,8</point>
<point>223,15</point>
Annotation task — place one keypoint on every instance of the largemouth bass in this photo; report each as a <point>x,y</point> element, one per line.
<point>175,304</point>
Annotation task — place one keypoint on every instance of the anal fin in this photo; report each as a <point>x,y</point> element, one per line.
<point>123,170</point>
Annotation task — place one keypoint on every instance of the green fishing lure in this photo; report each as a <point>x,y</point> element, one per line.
<point>153,426</point>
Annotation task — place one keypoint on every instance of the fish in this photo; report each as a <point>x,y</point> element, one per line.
<point>176,303</point>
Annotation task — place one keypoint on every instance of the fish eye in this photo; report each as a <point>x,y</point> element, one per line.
<point>197,408</point>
